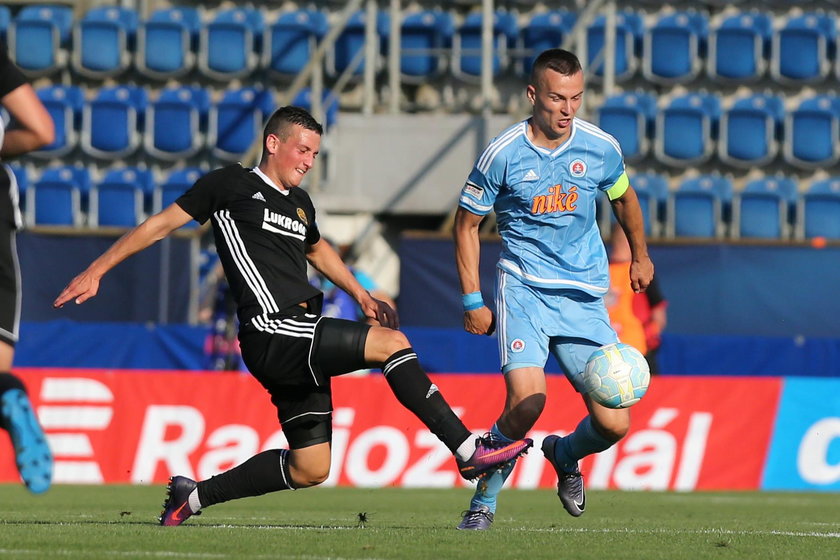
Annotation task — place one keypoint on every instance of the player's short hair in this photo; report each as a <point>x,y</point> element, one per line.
<point>281,122</point>
<point>559,60</point>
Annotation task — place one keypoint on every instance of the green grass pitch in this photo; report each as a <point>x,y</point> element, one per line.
<point>93,522</point>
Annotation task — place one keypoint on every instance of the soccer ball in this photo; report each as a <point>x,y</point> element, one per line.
<point>616,375</point>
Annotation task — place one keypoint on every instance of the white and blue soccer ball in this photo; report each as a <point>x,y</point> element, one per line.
<point>616,375</point>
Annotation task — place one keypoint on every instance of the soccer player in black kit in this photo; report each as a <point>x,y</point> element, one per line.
<point>265,232</point>
<point>31,129</point>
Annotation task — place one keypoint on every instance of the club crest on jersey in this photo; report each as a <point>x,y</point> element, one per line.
<point>302,215</point>
<point>577,168</point>
<point>518,345</point>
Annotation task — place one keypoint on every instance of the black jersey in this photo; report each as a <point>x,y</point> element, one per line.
<point>261,237</point>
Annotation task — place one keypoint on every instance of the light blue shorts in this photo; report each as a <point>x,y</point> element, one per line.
<point>531,321</point>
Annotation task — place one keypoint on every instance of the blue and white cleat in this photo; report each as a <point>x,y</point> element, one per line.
<point>32,454</point>
<point>570,488</point>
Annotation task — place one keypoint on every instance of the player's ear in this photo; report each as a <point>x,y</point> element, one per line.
<point>531,93</point>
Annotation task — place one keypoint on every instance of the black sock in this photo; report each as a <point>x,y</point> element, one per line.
<point>417,393</point>
<point>263,473</point>
<point>10,381</point>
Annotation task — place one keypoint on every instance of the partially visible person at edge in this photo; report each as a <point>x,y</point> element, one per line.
<point>542,177</point>
<point>637,317</point>
<point>265,232</point>
<point>32,127</point>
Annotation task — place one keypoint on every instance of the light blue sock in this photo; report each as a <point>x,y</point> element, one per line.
<point>585,440</point>
<point>490,486</point>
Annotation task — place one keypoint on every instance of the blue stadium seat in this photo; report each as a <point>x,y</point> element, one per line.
<point>174,186</point>
<point>803,48</point>
<point>818,214</point>
<point>762,210</point>
<point>176,123</point>
<point>103,41</point>
<point>56,198</point>
<point>291,40</point>
<point>329,104</point>
<point>466,45</point>
<point>811,132</point>
<point>699,206</point>
<point>118,200</point>
<point>167,41</point>
<point>112,121</point>
<point>424,38</point>
<point>236,121</point>
<point>545,30</point>
<point>229,46</point>
<point>38,38</point>
<point>652,191</point>
<point>739,47</point>
<point>750,130</point>
<point>629,117</point>
<point>674,47</point>
<point>628,43</point>
<point>686,129</point>
<point>349,46</point>
<point>64,104</point>
<point>5,20</point>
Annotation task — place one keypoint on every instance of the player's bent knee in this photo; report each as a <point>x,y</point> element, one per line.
<point>310,477</point>
<point>382,343</point>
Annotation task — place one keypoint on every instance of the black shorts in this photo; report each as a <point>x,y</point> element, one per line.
<point>9,268</point>
<point>294,357</point>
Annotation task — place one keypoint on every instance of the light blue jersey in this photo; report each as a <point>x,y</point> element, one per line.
<point>545,204</point>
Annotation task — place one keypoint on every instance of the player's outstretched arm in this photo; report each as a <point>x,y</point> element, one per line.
<point>329,263</point>
<point>467,252</point>
<point>86,285</point>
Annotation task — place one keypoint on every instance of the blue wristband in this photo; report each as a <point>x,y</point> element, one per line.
<point>472,301</point>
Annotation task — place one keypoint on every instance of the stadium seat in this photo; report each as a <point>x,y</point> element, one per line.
<point>5,20</point>
<point>38,38</point>
<point>291,40</point>
<point>174,186</point>
<point>56,198</point>
<point>686,129</point>
<point>545,30</point>
<point>236,121</point>
<point>750,130</point>
<point>818,213</point>
<point>176,123</point>
<point>699,206</point>
<point>424,38</point>
<point>629,117</point>
<point>112,121</point>
<point>347,54</point>
<point>802,49</point>
<point>64,104</point>
<point>762,210</point>
<point>466,45</point>
<point>811,132</point>
<point>167,41</point>
<point>652,191</point>
<point>118,200</point>
<point>739,47</point>
<point>329,104</point>
<point>628,41</point>
<point>229,46</point>
<point>674,47</point>
<point>103,41</point>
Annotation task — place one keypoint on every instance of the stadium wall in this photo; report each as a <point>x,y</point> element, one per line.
<point>689,433</point>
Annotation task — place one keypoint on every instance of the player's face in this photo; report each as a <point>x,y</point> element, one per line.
<point>290,160</point>
<point>556,99</point>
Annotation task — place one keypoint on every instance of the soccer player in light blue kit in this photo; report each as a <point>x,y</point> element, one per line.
<point>542,177</point>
